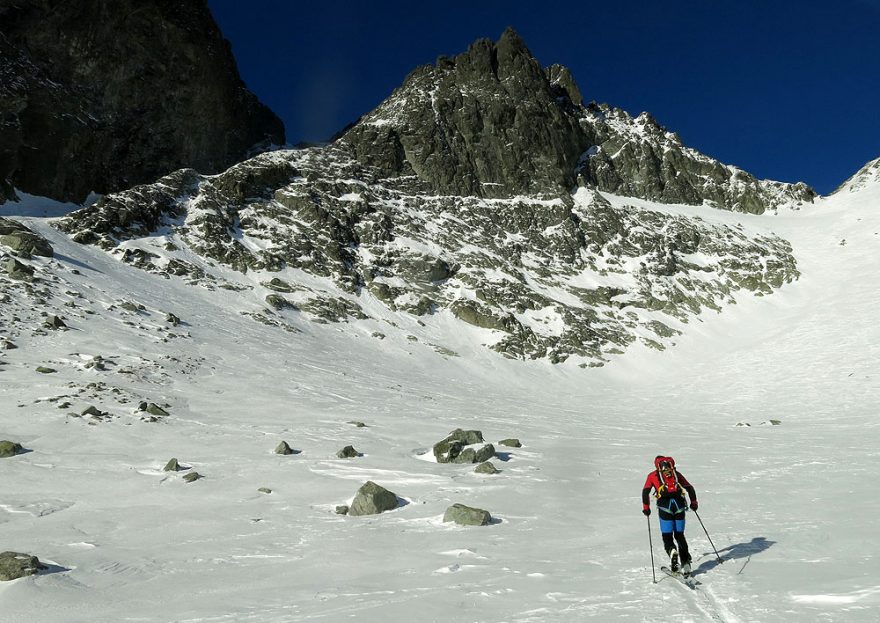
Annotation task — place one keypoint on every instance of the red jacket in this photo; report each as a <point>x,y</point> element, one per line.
<point>666,488</point>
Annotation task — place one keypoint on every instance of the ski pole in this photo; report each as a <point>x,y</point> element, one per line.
<point>708,537</point>
<point>651,543</point>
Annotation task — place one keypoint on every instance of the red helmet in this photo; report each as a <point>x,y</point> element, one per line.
<point>664,461</point>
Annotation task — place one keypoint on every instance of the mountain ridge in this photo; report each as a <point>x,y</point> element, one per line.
<point>541,270</point>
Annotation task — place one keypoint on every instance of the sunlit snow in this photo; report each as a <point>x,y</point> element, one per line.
<point>790,507</point>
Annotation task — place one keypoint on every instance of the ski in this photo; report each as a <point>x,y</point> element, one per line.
<point>687,580</point>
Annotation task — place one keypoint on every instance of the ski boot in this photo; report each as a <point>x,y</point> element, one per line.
<point>673,560</point>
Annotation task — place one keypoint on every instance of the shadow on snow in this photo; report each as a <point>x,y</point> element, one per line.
<point>735,552</point>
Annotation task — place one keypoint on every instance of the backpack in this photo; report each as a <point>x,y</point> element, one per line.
<point>668,484</point>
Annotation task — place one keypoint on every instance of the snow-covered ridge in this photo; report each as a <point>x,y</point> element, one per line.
<point>578,279</point>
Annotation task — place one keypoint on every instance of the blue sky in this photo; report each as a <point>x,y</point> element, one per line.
<point>786,90</point>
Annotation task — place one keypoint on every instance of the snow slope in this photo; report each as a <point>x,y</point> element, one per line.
<point>790,507</point>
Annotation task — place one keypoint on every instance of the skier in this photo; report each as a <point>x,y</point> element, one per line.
<point>668,483</point>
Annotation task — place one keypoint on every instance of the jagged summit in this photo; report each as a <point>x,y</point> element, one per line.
<point>491,122</point>
<point>488,122</point>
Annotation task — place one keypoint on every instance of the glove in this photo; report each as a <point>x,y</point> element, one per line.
<point>646,511</point>
<point>694,505</point>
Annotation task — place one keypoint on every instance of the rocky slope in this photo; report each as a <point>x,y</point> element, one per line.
<point>472,194</point>
<point>101,95</point>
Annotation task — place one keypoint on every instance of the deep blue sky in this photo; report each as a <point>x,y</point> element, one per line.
<point>786,89</point>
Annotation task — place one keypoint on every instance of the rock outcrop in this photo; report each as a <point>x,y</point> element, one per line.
<point>14,565</point>
<point>101,95</point>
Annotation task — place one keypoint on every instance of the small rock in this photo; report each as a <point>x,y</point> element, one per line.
<point>342,510</point>
<point>283,448</point>
<point>92,410</point>
<point>172,319</point>
<point>9,448</point>
<point>45,370</point>
<point>154,409</point>
<point>171,466</point>
<point>357,424</point>
<point>7,345</point>
<point>486,468</point>
<point>192,477</point>
<point>467,516</point>
<point>510,443</point>
<point>55,323</point>
<point>264,490</point>
<point>372,499</point>
<point>348,452</point>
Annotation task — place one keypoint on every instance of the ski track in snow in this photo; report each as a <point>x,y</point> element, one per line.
<point>789,507</point>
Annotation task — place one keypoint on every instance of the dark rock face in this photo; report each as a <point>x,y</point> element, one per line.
<point>490,123</point>
<point>103,95</point>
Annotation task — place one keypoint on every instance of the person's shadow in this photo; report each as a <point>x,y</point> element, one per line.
<point>734,552</point>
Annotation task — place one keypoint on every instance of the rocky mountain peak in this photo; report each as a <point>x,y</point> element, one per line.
<point>488,122</point>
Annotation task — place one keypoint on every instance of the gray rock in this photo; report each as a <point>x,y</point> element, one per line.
<point>54,322</point>
<point>45,370</point>
<point>265,490</point>
<point>154,409</point>
<point>348,452</point>
<point>7,345</point>
<point>372,499</point>
<point>15,269</point>
<point>172,466</point>
<point>172,319</point>
<point>9,448</point>
<point>484,454</point>
<point>14,565</point>
<point>486,468</point>
<point>283,448</point>
<point>192,477</point>
<point>22,241</point>
<point>342,509</point>
<point>93,410</point>
<point>510,443</point>
<point>467,516</point>
<point>453,448</point>
<point>278,302</point>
